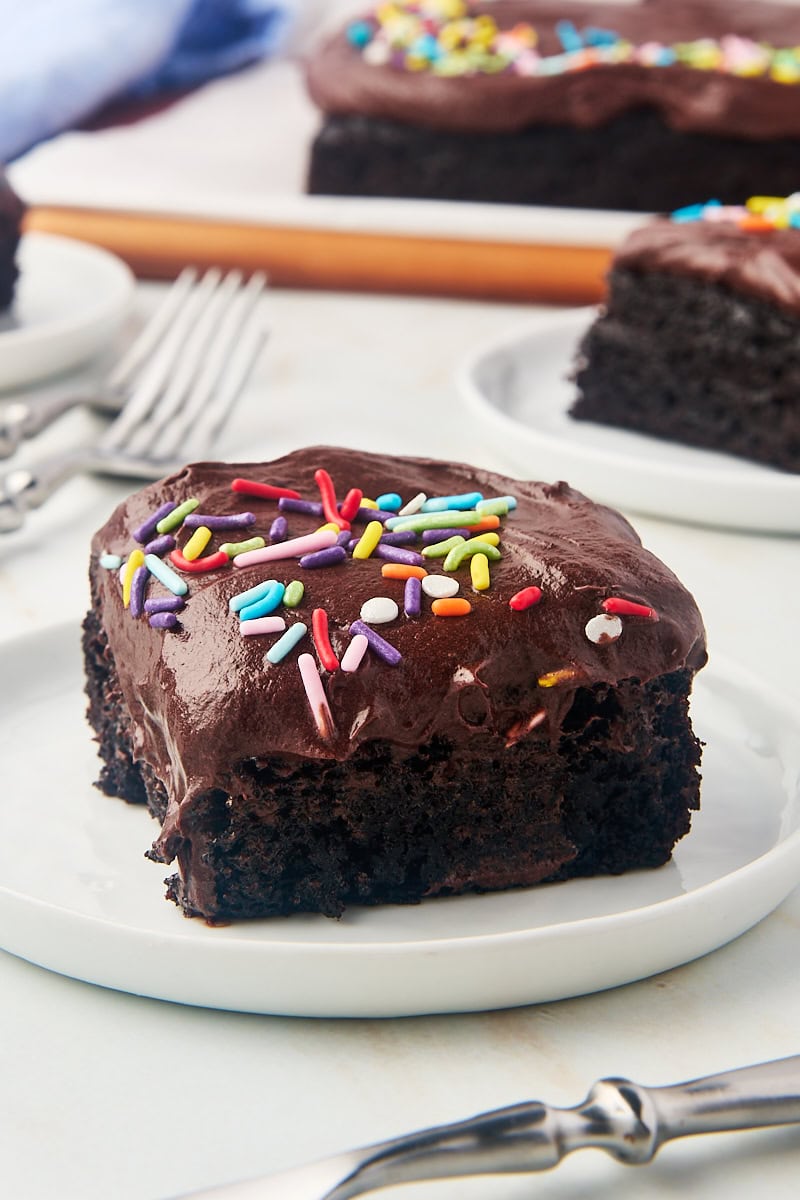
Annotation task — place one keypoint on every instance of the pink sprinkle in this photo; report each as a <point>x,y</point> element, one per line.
<point>291,549</point>
<point>262,625</point>
<point>354,653</point>
<point>315,692</point>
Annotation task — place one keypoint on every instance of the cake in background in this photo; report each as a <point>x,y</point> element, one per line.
<point>641,106</point>
<point>479,684</point>
<point>699,341</point>
<point>11,210</point>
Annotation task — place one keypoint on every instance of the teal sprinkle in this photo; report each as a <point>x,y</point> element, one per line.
<point>164,574</point>
<point>286,642</point>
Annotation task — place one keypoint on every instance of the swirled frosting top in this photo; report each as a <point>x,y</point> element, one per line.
<point>202,697</point>
<point>692,96</point>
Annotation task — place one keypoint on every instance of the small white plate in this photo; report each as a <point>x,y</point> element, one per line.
<point>77,895</point>
<point>70,299</point>
<point>519,387</point>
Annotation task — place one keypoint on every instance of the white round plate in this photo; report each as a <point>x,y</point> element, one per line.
<point>78,896</point>
<point>519,389</point>
<point>70,299</point>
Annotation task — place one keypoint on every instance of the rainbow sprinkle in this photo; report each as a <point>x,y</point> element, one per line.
<point>759,214</point>
<point>439,37</point>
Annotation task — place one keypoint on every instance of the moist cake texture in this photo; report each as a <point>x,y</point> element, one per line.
<point>699,341</point>
<point>632,106</point>
<point>532,726</point>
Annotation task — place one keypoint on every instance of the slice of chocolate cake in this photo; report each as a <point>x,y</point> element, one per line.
<point>642,106</point>
<point>11,210</point>
<point>479,684</point>
<point>699,341</point>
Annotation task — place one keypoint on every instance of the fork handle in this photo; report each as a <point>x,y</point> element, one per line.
<point>24,488</point>
<point>625,1119</point>
<point>25,418</point>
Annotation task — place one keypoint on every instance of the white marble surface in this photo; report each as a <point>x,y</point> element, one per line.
<point>105,1094</point>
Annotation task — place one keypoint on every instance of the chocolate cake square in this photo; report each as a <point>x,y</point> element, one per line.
<point>11,211</point>
<point>323,705</point>
<point>602,105</point>
<point>699,341</point>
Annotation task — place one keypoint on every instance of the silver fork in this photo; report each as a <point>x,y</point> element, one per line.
<point>25,416</point>
<point>182,396</point>
<point>629,1121</point>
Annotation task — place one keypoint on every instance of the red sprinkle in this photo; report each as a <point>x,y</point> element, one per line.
<point>351,504</point>
<point>319,632</point>
<point>328,495</point>
<point>248,487</point>
<point>525,599</point>
<point>196,565</point>
<point>627,608</point>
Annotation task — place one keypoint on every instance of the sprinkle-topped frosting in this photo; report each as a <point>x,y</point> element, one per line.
<point>753,248</point>
<point>459,658</point>
<point>717,66</point>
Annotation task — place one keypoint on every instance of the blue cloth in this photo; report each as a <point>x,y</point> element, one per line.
<point>60,60</point>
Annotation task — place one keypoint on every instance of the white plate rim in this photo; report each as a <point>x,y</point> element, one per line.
<point>779,487</point>
<point>777,870</point>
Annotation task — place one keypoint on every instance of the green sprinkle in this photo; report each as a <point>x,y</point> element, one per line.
<point>442,549</point>
<point>451,518</point>
<point>175,518</point>
<point>234,548</point>
<point>496,508</point>
<point>473,546</point>
<point>294,593</point>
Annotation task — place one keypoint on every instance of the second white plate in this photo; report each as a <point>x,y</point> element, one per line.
<point>78,897</point>
<point>519,389</point>
<point>70,299</point>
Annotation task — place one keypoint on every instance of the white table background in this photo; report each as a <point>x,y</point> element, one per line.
<point>109,1095</point>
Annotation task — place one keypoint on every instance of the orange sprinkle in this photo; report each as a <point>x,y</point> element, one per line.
<point>756,224</point>
<point>554,677</point>
<point>392,570</point>
<point>451,606</point>
<point>490,522</point>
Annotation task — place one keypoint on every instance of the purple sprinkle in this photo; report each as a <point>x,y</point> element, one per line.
<point>432,536</point>
<point>231,521</point>
<point>372,514</point>
<point>279,530</point>
<point>400,537</point>
<point>412,597</point>
<point>147,529</point>
<point>161,545</point>
<point>138,588</point>
<point>324,558</point>
<point>344,539</point>
<point>397,554</point>
<point>164,604</point>
<point>312,508</point>
<point>163,620</point>
<point>381,647</point>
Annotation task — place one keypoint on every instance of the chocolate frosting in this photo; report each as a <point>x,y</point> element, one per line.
<point>202,700</point>
<point>689,100</point>
<point>763,264</point>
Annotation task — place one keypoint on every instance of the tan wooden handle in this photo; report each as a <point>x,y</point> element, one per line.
<point>157,247</point>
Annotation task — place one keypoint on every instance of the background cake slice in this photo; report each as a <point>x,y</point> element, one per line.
<point>414,720</point>
<point>699,341</point>
<point>11,210</point>
<point>642,106</point>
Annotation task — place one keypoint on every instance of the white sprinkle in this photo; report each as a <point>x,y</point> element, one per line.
<point>378,610</point>
<point>413,506</point>
<point>438,587</point>
<point>603,628</point>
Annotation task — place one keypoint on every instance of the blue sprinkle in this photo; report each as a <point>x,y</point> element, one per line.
<point>569,37</point>
<point>112,562</point>
<point>593,36</point>
<point>164,574</point>
<point>359,34</point>
<point>466,501</point>
<point>286,642</point>
<point>251,595</point>
<point>389,502</point>
<point>266,605</point>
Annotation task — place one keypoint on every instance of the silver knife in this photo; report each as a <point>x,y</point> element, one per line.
<point>628,1120</point>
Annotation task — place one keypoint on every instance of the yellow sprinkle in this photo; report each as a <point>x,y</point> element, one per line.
<point>135,560</point>
<point>365,503</point>
<point>479,570</point>
<point>329,525</point>
<point>368,540</point>
<point>197,543</point>
<point>554,677</point>
<point>759,204</point>
<point>491,538</point>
